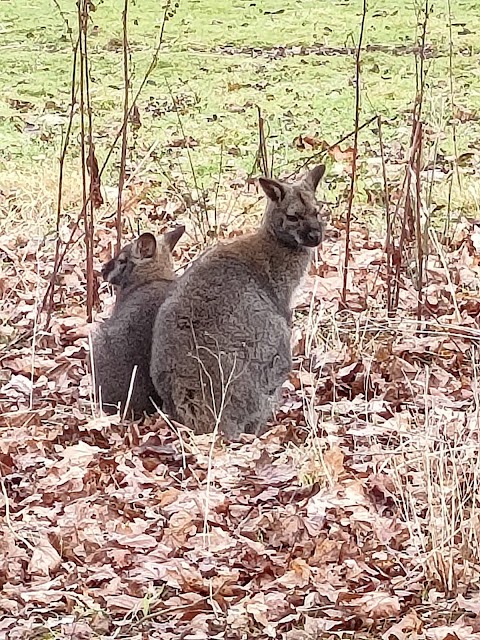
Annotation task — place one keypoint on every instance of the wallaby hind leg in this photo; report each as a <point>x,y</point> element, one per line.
<point>230,412</point>
<point>240,405</point>
<point>246,411</point>
<point>197,414</point>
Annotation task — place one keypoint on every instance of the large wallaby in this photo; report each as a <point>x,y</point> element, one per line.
<point>142,274</point>
<point>221,342</point>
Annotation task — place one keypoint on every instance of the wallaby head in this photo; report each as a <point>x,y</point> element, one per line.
<point>143,260</point>
<point>293,215</point>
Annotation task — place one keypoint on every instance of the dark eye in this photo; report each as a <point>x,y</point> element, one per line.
<point>291,217</point>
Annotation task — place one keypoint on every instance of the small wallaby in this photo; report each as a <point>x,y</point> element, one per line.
<point>142,274</point>
<point>221,342</point>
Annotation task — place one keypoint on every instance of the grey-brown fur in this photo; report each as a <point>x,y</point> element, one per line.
<point>225,330</point>
<point>142,274</point>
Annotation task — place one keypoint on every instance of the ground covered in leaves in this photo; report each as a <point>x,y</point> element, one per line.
<point>356,515</point>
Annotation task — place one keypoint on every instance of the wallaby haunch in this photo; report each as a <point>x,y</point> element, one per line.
<point>221,342</point>
<point>142,274</point>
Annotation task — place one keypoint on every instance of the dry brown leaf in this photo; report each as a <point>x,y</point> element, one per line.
<point>403,630</point>
<point>378,604</point>
<point>342,155</point>
<point>458,631</point>
<point>45,559</point>
<point>470,605</point>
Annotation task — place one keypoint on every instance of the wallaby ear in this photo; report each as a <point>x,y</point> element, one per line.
<point>314,176</point>
<point>274,189</point>
<point>145,246</point>
<point>172,237</point>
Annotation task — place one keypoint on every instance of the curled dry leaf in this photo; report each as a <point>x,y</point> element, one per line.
<point>470,605</point>
<point>45,559</point>
<point>458,631</point>
<point>410,624</point>
<point>342,155</point>
<point>95,185</point>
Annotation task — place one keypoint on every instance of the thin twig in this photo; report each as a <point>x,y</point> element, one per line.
<point>408,222</point>
<point>355,152</point>
<point>456,170</point>
<point>205,220</point>
<point>420,76</point>
<point>89,229</point>
<point>64,17</point>
<point>82,26</point>
<point>388,239</point>
<point>217,187</point>
<point>320,154</point>
<point>418,224</point>
<point>50,291</point>
<point>123,156</point>
<point>262,146</point>
<point>406,225</point>
<point>48,298</point>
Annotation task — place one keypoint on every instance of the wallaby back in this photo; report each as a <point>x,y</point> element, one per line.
<point>221,342</point>
<point>142,274</point>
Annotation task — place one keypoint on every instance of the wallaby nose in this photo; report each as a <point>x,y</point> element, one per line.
<point>313,237</point>
<point>107,268</point>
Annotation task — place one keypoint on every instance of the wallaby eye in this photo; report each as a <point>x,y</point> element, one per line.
<point>291,217</point>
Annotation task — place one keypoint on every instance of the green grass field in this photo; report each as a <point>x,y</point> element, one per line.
<point>218,92</point>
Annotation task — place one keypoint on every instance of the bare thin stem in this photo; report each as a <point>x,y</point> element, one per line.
<point>89,229</point>
<point>217,187</point>
<point>204,222</point>
<point>123,157</point>
<point>409,224</point>
<point>317,156</point>
<point>81,216</point>
<point>418,224</point>
<point>451,76</point>
<point>421,75</point>
<point>82,26</point>
<point>64,17</point>
<point>406,226</point>
<point>48,298</point>
<point>262,145</point>
<point>355,152</point>
<point>388,239</point>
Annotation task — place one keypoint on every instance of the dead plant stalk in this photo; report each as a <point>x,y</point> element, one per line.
<point>47,303</point>
<point>123,156</point>
<point>87,206</point>
<point>355,152</point>
<point>203,217</point>
<point>388,239</point>
<point>418,223</point>
<point>48,299</point>
<point>411,223</point>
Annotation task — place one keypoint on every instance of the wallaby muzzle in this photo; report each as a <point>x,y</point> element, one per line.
<point>107,268</point>
<point>311,237</point>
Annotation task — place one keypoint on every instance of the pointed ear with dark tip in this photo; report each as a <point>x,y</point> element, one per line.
<point>145,246</point>
<point>314,176</point>
<point>172,237</point>
<point>274,190</point>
